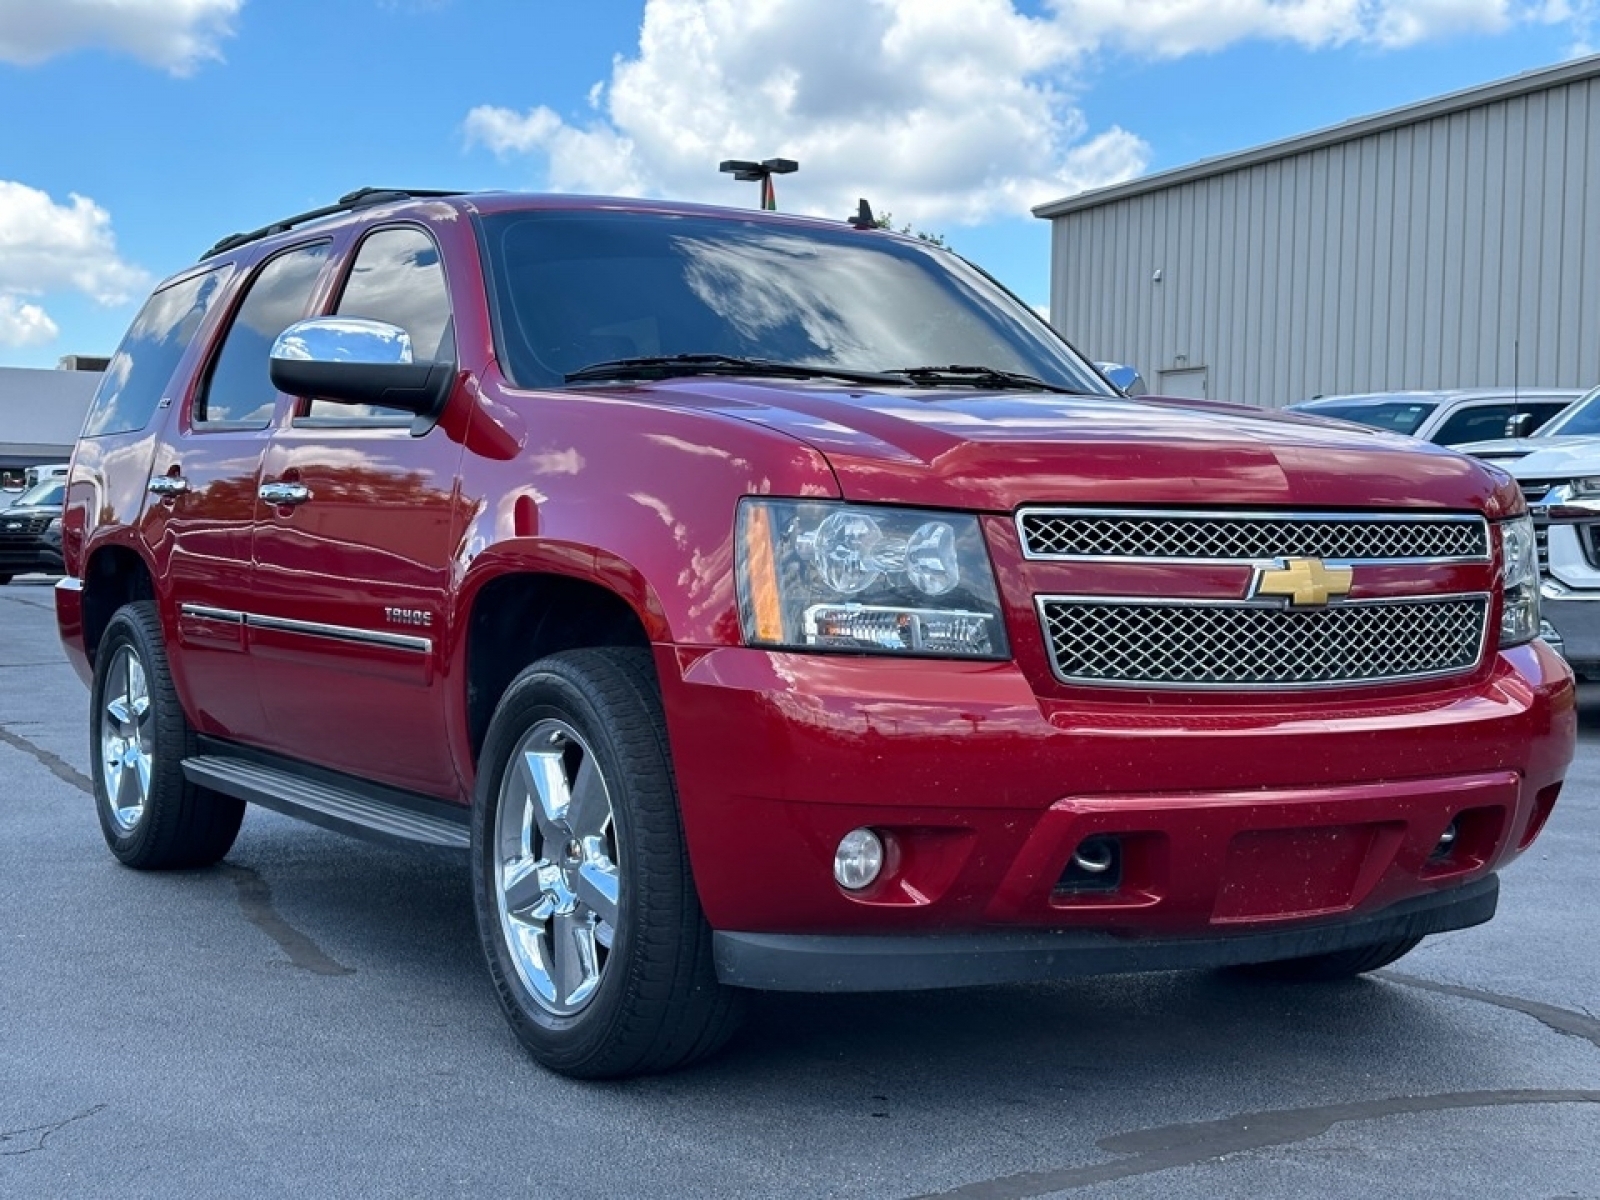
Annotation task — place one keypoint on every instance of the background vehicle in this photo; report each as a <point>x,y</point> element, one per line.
<point>772,603</point>
<point>1448,418</point>
<point>30,531</point>
<point>44,471</point>
<point>1580,419</point>
<point>1558,469</point>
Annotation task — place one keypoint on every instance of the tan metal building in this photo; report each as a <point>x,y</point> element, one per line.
<point>1452,243</point>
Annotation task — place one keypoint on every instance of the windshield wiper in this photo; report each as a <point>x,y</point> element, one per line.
<point>957,375</point>
<point>672,366</point>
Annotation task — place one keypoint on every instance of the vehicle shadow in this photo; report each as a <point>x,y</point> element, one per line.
<point>410,916</point>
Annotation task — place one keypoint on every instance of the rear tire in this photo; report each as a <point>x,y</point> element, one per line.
<point>152,817</point>
<point>586,907</point>
<point>1338,964</point>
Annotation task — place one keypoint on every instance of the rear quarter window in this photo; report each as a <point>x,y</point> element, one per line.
<point>140,370</point>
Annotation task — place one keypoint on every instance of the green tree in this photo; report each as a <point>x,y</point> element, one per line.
<point>886,221</point>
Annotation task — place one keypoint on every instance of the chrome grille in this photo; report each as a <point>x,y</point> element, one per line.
<point>22,526</point>
<point>1209,644</point>
<point>1248,537</point>
<point>1535,490</point>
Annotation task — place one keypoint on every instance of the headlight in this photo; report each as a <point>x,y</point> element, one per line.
<point>830,576</point>
<point>54,526</point>
<point>1583,489</point>
<point>1519,583</point>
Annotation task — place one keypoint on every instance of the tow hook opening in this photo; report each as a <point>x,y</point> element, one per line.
<point>1095,866</point>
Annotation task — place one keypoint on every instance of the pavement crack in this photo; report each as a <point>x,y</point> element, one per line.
<point>1562,1020</point>
<point>37,1134</point>
<point>1187,1145</point>
<point>54,763</point>
<point>255,898</point>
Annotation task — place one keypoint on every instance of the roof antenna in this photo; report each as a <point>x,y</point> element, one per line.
<point>864,218</point>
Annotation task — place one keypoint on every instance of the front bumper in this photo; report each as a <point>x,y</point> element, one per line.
<point>29,555</point>
<point>869,963</point>
<point>1242,817</point>
<point>1576,617</point>
<point>1569,595</point>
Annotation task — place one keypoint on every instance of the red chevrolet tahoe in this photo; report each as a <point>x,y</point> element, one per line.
<point>775,603</point>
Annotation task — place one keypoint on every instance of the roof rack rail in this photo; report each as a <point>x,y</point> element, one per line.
<point>349,202</point>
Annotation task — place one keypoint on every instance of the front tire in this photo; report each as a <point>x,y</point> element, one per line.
<point>152,817</point>
<point>1335,965</point>
<point>586,907</point>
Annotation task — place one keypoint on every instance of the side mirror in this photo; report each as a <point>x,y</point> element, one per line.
<point>349,360</point>
<point>1519,425</point>
<point>1126,379</point>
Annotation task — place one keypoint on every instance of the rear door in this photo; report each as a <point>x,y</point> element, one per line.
<point>353,577</point>
<point>203,504</point>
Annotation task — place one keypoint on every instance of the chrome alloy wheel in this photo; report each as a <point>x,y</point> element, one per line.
<point>556,878</point>
<point>127,739</point>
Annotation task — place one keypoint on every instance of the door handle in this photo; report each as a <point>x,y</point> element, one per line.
<point>167,485</point>
<point>284,494</point>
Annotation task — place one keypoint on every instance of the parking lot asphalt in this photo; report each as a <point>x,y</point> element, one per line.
<point>312,1019</point>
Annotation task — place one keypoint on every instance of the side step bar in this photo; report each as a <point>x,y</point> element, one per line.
<point>343,809</point>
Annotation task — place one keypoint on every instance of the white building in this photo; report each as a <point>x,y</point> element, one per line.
<point>41,413</point>
<point>1452,243</point>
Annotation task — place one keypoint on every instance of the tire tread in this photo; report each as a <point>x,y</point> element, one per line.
<point>673,1011</point>
<point>184,825</point>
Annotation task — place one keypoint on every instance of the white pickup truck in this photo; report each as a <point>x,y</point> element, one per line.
<point>1559,470</point>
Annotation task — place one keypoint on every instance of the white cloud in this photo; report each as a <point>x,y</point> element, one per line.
<point>1172,28</point>
<point>948,111</point>
<point>24,324</point>
<point>941,112</point>
<point>176,35</point>
<point>47,247</point>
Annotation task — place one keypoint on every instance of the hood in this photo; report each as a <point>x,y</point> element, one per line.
<point>1511,449</point>
<point>30,513</point>
<point>1552,458</point>
<point>994,451</point>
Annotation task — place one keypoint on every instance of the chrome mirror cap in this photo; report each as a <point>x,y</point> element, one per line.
<point>343,339</point>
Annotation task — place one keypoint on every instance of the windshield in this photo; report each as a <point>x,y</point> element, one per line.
<point>1396,417</point>
<point>573,290</point>
<point>47,494</point>
<point>1581,416</point>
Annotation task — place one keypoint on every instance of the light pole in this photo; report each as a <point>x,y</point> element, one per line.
<point>762,173</point>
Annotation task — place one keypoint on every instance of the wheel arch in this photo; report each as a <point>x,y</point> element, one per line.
<point>114,574</point>
<point>524,610</point>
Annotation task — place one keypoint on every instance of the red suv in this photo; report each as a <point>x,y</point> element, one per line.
<point>778,603</point>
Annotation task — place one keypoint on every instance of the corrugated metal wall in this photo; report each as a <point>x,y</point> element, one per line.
<point>1462,250</point>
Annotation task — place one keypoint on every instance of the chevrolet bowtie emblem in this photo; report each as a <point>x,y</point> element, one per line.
<point>1305,582</point>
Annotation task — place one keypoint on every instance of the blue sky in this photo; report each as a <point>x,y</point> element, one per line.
<point>135,133</point>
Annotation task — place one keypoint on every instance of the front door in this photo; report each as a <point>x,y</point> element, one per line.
<point>354,569</point>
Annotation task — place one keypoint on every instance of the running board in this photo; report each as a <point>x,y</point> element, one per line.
<point>327,804</point>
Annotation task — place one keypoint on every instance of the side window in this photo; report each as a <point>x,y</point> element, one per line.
<point>397,278</point>
<point>239,391</point>
<point>143,364</point>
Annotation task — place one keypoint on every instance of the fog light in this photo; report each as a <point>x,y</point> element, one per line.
<point>858,859</point>
<point>1447,841</point>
